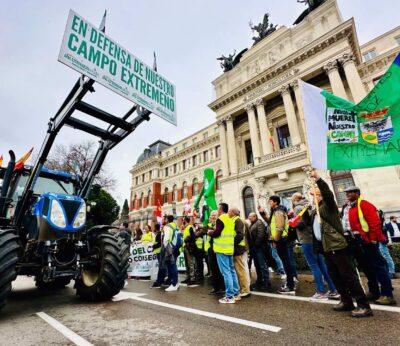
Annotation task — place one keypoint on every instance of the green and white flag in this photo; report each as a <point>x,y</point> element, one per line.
<point>343,135</point>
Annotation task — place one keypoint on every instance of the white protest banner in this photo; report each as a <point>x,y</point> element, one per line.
<point>89,51</point>
<point>143,262</point>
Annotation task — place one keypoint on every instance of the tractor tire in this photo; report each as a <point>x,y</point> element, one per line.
<point>9,250</point>
<point>53,285</point>
<point>124,264</point>
<point>105,278</point>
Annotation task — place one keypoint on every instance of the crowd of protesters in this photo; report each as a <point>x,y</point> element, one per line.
<point>336,245</point>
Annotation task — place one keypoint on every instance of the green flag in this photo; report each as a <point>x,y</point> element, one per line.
<point>342,135</point>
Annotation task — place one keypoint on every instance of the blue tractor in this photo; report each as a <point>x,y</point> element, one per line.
<point>43,231</point>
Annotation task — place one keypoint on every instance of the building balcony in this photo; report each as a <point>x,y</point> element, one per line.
<point>284,153</point>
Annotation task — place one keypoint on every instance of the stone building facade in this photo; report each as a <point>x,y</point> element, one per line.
<point>260,124</point>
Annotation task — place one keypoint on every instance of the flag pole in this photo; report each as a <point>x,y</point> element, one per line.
<point>307,170</point>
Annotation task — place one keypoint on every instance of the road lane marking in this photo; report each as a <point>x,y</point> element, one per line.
<point>68,333</point>
<point>138,297</point>
<point>331,302</point>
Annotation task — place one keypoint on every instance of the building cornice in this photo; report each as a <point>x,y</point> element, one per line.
<point>378,63</point>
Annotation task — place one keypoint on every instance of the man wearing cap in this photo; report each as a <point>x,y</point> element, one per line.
<point>363,230</point>
<point>328,229</point>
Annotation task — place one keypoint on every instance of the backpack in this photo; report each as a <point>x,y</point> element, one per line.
<point>177,239</point>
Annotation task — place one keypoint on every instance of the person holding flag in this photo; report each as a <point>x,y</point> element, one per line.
<point>328,229</point>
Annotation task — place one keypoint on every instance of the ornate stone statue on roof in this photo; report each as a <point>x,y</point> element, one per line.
<point>229,62</point>
<point>312,5</point>
<point>263,29</point>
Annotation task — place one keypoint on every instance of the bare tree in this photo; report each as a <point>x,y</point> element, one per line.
<point>63,158</point>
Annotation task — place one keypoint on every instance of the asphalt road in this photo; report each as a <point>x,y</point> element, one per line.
<point>143,321</point>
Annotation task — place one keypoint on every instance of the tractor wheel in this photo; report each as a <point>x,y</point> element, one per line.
<point>124,253</point>
<point>55,284</point>
<point>9,249</point>
<point>103,278</point>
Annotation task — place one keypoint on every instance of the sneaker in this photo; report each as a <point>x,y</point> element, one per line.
<point>283,276</point>
<point>385,300</point>
<point>287,291</point>
<point>320,296</point>
<point>362,312</point>
<point>296,280</point>
<point>172,288</point>
<point>333,295</point>
<point>227,300</point>
<point>190,283</point>
<point>155,285</point>
<point>270,270</point>
<point>372,296</point>
<point>185,281</point>
<point>237,298</point>
<point>245,295</point>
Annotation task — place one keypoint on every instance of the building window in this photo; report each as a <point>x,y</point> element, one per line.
<point>184,145</point>
<point>136,180</point>
<point>205,156</point>
<point>175,150</point>
<point>149,198</point>
<point>166,171</point>
<point>194,161</point>
<point>166,195</point>
<point>183,165</point>
<point>218,178</point>
<point>249,151</point>
<point>397,40</point>
<point>194,140</point>
<point>167,153</point>
<point>370,54</point>
<point>205,135</point>
<point>174,194</point>
<point>134,202</point>
<point>141,200</point>
<point>195,187</point>
<point>143,178</point>
<point>248,201</point>
<point>284,136</point>
<point>340,181</point>
<point>216,129</point>
<point>150,174</point>
<point>217,151</point>
<point>184,190</point>
<point>175,168</point>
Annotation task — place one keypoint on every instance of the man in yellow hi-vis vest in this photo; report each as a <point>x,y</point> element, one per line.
<point>224,238</point>
<point>240,254</point>
<point>363,230</point>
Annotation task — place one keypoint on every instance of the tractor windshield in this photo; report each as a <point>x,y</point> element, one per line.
<point>45,185</point>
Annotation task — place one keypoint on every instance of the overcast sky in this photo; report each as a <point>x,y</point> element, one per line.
<point>187,35</point>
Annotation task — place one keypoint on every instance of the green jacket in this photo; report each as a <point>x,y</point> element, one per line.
<point>331,226</point>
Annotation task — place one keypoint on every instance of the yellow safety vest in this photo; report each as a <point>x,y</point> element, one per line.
<point>207,240</point>
<point>225,242</point>
<point>243,241</point>
<point>273,227</point>
<point>158,250</point>
<point>186,233</point>
<point>364,224</point>
<point>148,237</point>
<point>171,225</point>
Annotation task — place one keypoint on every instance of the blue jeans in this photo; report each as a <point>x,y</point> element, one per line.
<point>292,260</point>
<point>260,262</point>
<point>277,259</point>
<point>386,254</point>
<point>318,268</point>
<point>227,268</point>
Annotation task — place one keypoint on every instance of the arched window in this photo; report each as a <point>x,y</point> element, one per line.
<point>195,187</point>
<point>248,201</point>
<point>184,190</point>
<point>174,194</point>
<point>218,178</point>
<point>166,195</point>
<point>141,200</point>
<point>340,181</point>
<point>149,198</point>
<point>134,202</point>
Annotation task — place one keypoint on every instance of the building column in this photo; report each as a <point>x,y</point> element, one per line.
<point>255,148</point>
<point>299,101</point>
<point>264,132</point>
<point>332,70</point>
<point>231,145</point>
<point>290,115</point>
<point>224,153</point>
<point>353,78</point>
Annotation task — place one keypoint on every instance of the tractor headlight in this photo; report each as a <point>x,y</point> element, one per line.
<point>57,215</point>
<point>81,217</point>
